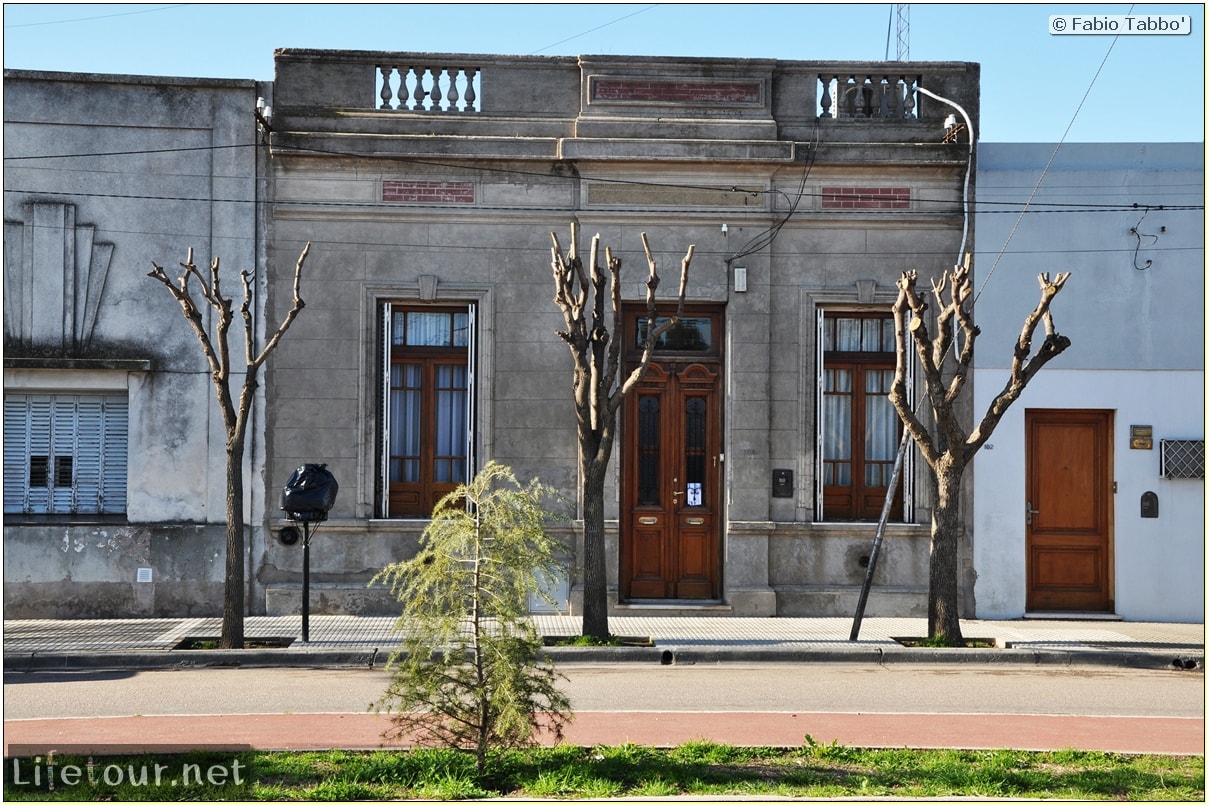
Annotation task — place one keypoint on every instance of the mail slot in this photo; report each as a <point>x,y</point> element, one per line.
<point>782,483</point>
<point>648,520</point>
<point>1150,505</point>
<point>694,521</point>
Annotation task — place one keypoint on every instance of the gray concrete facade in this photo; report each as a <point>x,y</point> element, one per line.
<point>822,193</point>
<point>103,176</point>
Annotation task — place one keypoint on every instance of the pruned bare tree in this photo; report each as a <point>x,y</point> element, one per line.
<point>590,301</point>
<point>947,447</point>
<point>214,343</point>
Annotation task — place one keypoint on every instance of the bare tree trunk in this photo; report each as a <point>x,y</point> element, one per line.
<point>233,597</point>
<point>944,623</point>
<point>596,591</point>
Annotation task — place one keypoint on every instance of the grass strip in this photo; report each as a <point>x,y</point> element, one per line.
<point>814,770</point>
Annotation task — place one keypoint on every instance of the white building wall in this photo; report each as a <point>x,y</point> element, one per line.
<point>1138,350</point>
<point>1159,563</point>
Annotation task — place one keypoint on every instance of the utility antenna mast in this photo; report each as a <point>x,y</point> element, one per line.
<point>903,14</point>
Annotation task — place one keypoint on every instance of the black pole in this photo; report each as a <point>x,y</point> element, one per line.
<point>877,538</point>
<point>306,582</point>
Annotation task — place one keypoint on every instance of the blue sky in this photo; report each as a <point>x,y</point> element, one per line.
<point>1150,88</point>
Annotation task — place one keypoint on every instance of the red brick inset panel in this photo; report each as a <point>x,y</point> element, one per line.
<point>427,192</point>
<point>840,198</point>
<point>677,92</point>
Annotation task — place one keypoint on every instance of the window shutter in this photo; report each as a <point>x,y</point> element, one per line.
<point>77,443</point>
<point>89,436</point>
<point>470,395</point>
<point>16,454</point>
<point>115,458</point>
<point>384,436</point>
<point>62,449</point>
<point>818,408</point>
<point>39,445</point>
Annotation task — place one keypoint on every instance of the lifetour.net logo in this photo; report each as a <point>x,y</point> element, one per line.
<point>76,772</point>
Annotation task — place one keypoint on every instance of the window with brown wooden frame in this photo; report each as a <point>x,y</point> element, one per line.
<point>428,406</point>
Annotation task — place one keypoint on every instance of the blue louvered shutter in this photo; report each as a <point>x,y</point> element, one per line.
<point>65,454</point>
<point>117,436</point>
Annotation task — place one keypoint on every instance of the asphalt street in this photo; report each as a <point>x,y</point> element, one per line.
<point>1116,710</point>
<point>783,687</point>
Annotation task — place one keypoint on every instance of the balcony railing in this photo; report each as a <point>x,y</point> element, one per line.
<point>877,96</point>
<point>598,99</point>
<point>422,88</point>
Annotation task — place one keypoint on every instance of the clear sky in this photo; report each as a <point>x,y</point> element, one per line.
<point>1150,88</point>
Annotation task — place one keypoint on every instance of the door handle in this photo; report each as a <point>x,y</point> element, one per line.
<point>1029,512</point>
<point>676,493</point>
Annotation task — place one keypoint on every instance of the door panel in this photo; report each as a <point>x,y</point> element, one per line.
<point>1067,510</point>
<point>670,546</point>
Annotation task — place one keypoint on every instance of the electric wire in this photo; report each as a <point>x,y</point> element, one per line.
<point>1045,170</point>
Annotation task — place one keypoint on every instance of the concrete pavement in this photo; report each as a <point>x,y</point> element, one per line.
<point>358,640</point>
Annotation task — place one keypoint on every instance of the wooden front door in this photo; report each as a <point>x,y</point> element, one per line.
<point>671,455</point>
<point>670,544</point>
<point>1068,489</point>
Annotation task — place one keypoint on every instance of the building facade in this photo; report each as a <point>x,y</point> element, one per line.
<point>114,488</point>
<point>755,456</point>
<point>1091,496</point>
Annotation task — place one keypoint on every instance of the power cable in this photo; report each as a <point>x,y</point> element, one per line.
<point>1045,170</point>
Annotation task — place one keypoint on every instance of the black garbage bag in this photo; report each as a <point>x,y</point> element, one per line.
<point>309,493</point>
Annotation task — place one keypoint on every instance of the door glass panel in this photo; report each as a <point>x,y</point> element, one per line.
<point>694,451</point>
<point>881,428</point>
<point>648,450</point>
<point>405,422</point>
<point>691,334</point>
<point>837,427</point>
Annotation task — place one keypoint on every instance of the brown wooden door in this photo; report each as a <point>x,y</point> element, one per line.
<point>670,547</point>
<point>1068,492</point>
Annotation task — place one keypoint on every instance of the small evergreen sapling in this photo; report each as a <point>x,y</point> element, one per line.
<point>467,673</point>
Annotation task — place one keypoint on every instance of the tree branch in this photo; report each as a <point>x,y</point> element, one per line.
<point>962,288</point>
<point>654,332</point>
<point>1023,366</point>
<point>180,293</point>
<point>898,389</point>
<point>295,309</point>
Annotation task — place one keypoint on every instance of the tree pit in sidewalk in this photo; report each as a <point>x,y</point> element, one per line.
<point>214,642</point>
<point>934,643</point>
<point>588,640</point>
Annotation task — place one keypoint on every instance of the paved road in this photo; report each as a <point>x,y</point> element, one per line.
<point>731,687</point>
<point>1108,709</point>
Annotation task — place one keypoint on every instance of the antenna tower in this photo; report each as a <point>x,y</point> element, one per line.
<point>903,14</point>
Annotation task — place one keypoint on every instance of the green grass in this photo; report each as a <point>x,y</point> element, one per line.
<point>814,770</point>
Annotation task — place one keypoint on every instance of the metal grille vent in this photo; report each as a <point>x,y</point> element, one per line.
<point>1182,458</point>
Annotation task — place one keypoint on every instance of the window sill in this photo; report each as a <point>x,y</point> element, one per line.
<point>75,519</point>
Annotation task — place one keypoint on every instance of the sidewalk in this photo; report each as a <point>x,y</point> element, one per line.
<point>365,641</point>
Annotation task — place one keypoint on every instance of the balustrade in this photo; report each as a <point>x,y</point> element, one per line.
<point>880,96</point>
<point>794,93</point>
<point>428,89</point>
